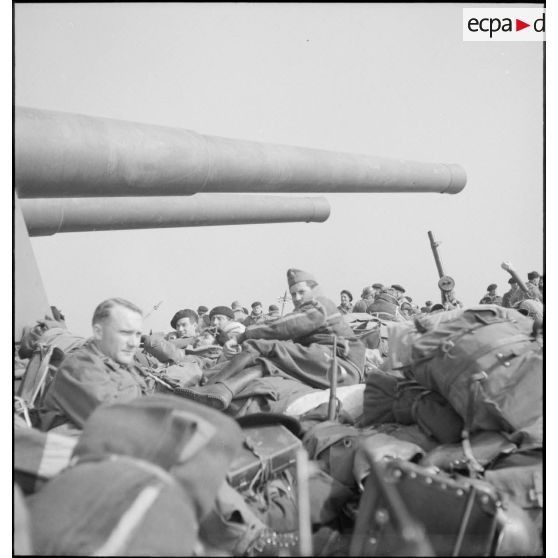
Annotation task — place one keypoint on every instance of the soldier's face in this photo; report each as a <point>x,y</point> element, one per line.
<point>344,299</point>
<point>257,310</point>
<point>219,321</point>
<point>119,335</point>
<point>301,293</point>
<point>185,328</point>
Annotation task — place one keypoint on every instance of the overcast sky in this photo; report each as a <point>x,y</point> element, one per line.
<point>389,80</point>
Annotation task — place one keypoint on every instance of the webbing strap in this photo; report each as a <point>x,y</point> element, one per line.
<point>129,522</point>
<point>475,468</point>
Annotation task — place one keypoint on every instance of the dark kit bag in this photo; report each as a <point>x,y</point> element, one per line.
<point>489,368</point>
<point>406,510</point>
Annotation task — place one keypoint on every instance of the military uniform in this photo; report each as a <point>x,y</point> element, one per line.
<point>491,299</point>
<point>300,344</point>
<point>254,319</point>
<point>345,309</point>
<point>86,379</point>
<point>519,296</point>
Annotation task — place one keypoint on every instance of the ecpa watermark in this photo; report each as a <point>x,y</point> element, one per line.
<point>503,24</point>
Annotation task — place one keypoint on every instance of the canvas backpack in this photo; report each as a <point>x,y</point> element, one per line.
<point>486,363</point>
<point>391,399</point>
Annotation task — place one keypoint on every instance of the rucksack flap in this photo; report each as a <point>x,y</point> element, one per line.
<point>492,357</point>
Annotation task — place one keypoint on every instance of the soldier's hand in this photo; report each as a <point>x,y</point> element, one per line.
<point>231,348</point>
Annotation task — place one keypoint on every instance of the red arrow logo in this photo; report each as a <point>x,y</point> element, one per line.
<point>519,25</point>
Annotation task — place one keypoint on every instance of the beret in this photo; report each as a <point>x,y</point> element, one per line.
<point>273,307</point>
<point>187,313</point>
<point>202,309</point>
<point>492,287</point>
<point>254,304</point>
<point>222,311</point>
<point>398,288</point>
<point>377,286</point>
<point>532,275</point>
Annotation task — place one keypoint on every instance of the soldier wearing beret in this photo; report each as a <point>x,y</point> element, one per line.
<point>256,316</point>
<point>491,297</point>
<point>346,306</point>
<point>398,291</point>
<point>298,345</point>
<point>185,324</point>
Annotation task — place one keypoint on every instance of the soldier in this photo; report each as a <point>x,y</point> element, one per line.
<point>298,346</point>
<point>533,285</point>
<point>101,371</point>
<point>385,305</point>
<point>224,322</point>
<point>203,322</point>
<point>406,307</point>
<point>346,306</point>
<point>256,316</point>
<point>186,331</point>
<point>377,288</point>
<point>185,322</point>
<point>491,297</point>
<point>240,313</point>
<point>273,313</point>
<point>533,291</point>
<point>399,292</point>
<point>509,294</point>
<point>366,298</point>
<point>427,307</point>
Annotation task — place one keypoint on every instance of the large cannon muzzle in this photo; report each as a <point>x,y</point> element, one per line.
<point>69,155</point>
<point>47,216</point>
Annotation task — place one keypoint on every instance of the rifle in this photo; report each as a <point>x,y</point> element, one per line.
<point>508,267</point>
<point>332,406</point>
<point>446,284</point>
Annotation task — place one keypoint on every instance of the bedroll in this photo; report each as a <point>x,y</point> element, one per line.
<point>488,366</point>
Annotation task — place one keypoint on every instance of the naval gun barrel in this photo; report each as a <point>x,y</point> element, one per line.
<point>48,216</point>
<point>60,155</point>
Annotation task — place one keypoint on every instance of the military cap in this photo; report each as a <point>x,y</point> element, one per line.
<point>235,305</point>
<point>532,275</point>
<point>348,293</point>
<point>295,276</point>
<point>257,303</point>
<point>492,287</point>
<point>377,286</point>
<point>187,313</point>
<point>202,310</point>
<point>512,281</point>
<point>221,311</point>
<point>273,308</point>
<point>398,288</point>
